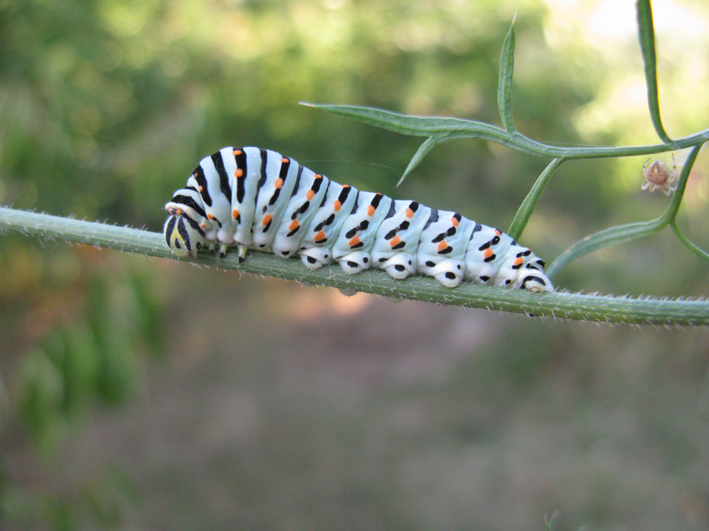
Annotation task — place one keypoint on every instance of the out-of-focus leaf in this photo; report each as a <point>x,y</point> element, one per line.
<point>504,89</point>
<point>41,395</point>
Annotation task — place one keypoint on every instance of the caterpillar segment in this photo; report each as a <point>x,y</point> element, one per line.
<point>255,198</point>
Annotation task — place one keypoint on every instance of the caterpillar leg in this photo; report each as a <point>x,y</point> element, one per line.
<point>241,252</point>
<point>480,272</point>
<point>221,250</point>
<point>449,273</point>
<point>399,266</point>
<point>356,262</point>
<point>315,257</point>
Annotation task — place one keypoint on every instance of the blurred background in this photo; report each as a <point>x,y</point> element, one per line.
<point>139,393</point>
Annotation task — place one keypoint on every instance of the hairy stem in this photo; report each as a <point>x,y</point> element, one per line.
<point>560,305</point>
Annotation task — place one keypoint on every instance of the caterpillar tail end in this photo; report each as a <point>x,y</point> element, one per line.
<point>537,283</point>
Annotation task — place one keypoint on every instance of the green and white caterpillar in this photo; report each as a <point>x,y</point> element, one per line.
<point>257,199</point>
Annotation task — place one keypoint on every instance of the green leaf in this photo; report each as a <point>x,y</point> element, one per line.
<point>422,151</point>
<point>78,368</point>
<point>671,212</point>
<point>689,244</point>
<point>451,128</point>
<point>647,46</point>
<point>415,125</point>
<point>504,88</point>
<point>525,210</point>
<point>611,236</point>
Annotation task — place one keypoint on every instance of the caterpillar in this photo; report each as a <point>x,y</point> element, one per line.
<point>258,199</point>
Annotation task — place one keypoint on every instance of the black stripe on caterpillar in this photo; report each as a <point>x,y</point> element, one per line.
<point>257,199</point>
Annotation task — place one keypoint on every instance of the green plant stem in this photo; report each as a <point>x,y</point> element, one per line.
<point>559,305</point>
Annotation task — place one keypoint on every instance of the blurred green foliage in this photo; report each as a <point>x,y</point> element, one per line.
<point>105,106</point>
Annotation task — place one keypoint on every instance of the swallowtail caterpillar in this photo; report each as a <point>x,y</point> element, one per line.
<point>258,199</point>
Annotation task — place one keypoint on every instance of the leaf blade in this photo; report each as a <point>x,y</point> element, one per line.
<point>701,253</point>
<point>504,88</point>
<point>646,34</point>
<point>525,210</point>
<point>605,238</point>
<point>422,151</point>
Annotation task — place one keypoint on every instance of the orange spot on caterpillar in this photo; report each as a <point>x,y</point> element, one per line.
<point>442,245</point>
<point>279,183</point>
<point>210,217</point>
<point>487,253</point>
<point>320,236</point>
<point>317,176</point>
<point>498,232</point>
<point>238,173</point>
<point>395,241</point>
<point>294,225</point>
<point>409,213</point>
<point>354,241</point>
<point>454,221</point>
<point>203,225</point>
<point>518,261</point>
<point>237,152</point>
<point>200,188</point>
<point>371,210</point>
<point>310,195</point>
<point>235,214</point>
<point>285,160</point>
<point>266,219</point>
<point>337,206</point>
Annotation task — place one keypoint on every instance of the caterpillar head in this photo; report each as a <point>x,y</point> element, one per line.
<point>183,235</point>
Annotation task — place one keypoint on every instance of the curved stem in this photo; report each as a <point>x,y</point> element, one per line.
<point>701,253</point>
<point>441,129</point>
<point>558,305</point>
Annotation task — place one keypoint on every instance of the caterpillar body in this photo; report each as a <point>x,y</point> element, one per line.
<point>258,199</point>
